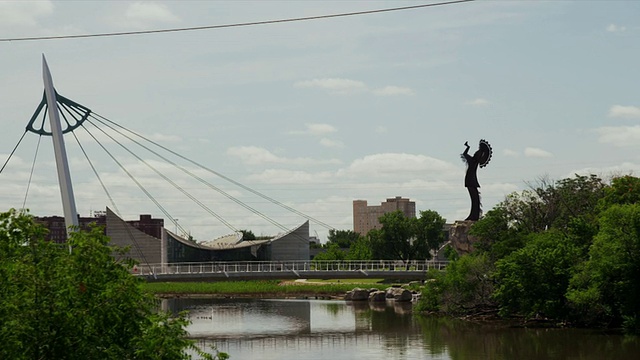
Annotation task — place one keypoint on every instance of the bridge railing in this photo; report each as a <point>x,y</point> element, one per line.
<point>288,266</point>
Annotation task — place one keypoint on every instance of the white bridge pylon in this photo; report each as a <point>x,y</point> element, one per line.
<point>62,163</point>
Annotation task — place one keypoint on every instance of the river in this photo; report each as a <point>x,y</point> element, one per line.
<point>336,330</point>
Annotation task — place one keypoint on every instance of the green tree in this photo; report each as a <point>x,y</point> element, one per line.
<point>79,304</point>
<point>623,190</point>
<point>608,287</point>
<point>332,252</point>
<point>360,250</point>
<point>496,237</point>
<point>465,287</point>
<point>248,235</point>
<point>404,238</point>
<point>533,280</point>
<point>343,238</point>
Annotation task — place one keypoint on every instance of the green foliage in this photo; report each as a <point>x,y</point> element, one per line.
<point>79,304</point>
<point>248,235</point>
<point>343,238</point>
<point>533,280</point>
<point>496,237</point>
<point>623,190</point>
<point>404,238</point>
<point>552,205</point>
<point>466,286</point>
<point>608,286</point>
<point>332,252</point>
<point>360,250</point>
<point>567,250</point>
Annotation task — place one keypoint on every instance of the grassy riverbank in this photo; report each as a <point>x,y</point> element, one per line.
<point>271,288</point>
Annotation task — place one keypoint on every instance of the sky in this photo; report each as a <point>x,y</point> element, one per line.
<point>318,113</point>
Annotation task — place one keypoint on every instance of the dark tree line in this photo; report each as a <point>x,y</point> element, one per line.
<point>565,251</point>
<point>400,238</point>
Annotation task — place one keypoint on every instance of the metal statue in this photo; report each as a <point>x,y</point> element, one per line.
<point>480,158</point>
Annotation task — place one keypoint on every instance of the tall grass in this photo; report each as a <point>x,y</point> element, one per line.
<point>257,287</point>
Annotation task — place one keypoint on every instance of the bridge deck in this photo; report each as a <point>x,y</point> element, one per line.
<point>264,270</point>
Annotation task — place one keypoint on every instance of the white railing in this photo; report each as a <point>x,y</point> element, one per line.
<point>227,267</point>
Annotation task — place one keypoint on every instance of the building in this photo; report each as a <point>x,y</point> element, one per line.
<point>365,217</point>
<point>58,229</point>
<point>148,242</point>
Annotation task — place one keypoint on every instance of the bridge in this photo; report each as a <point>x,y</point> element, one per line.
<point>283,270</point>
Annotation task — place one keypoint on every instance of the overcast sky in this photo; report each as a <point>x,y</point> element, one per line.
<point>316,114</point>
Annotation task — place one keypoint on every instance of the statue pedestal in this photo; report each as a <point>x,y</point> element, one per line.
<point>459,237</point>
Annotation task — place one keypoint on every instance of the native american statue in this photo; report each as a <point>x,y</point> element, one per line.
<point>480,158</point>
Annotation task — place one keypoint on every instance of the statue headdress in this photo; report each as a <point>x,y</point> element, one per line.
<point>486,153</point>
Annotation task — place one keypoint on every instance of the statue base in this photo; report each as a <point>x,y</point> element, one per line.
<point>459,237</point>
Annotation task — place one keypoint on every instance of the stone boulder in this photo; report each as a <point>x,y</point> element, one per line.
<point>378,296</point>
<point>357,294</point>
<point>399,294</point>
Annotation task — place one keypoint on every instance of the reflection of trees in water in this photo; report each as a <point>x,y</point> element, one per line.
<point>394,321</point>
<point>465,340</point>
<point>335,309</point>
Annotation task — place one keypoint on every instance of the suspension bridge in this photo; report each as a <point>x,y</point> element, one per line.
<point>173,257</point>
<point>282,270</point>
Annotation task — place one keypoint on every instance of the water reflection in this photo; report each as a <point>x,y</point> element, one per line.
<point>320,329</point>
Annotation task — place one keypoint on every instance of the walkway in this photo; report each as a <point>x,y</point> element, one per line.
<point>270,270</point>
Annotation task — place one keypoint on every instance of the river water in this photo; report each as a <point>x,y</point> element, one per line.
<point>336,330</point>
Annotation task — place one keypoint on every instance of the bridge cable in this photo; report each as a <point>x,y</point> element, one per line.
<point>13,151</point>
<point>115,207</point>
<point>33,166</point>
<point>255,192</point>
<point>255,211</point>
<point>167,179</point>
<point>201,180</point>
<point>162,209</point>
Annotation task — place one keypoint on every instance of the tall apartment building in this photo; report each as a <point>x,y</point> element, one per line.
<point>366,217</point>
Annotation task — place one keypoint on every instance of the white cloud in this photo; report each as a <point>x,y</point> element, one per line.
<point>381,129</point>
<point>348,86</point>
<point>331,143</point>
<point>620,136</point>
<point>536,152</point>
<point>393,90</point>
<point>626,112</point>
<point>334,85</point>
<point>143,14</point>
<point>23,13</point>
<point>510,153</point>
<point>397,165</point>
<point>315,129</point>
<point>282,176</point>
<point>478,102</point>
<point>615,28</point>
<point>164,138</point>
<point>254,155</point>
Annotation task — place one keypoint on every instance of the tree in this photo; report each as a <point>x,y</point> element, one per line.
<point>360,250</point>
<point>332,252</point>
<point>343,238</point>
<point>404,238</point>
<point>608,287</point>
<point>248,235</point>
<point>496,237</point>
<point>552,205</point>
<point>466,286</point>
<point>533,280</point>
<point>79,304</point>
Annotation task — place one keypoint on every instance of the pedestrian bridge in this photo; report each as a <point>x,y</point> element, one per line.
<point>282,270</point>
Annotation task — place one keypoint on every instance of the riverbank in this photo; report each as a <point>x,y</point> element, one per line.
<point>257,289</point>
